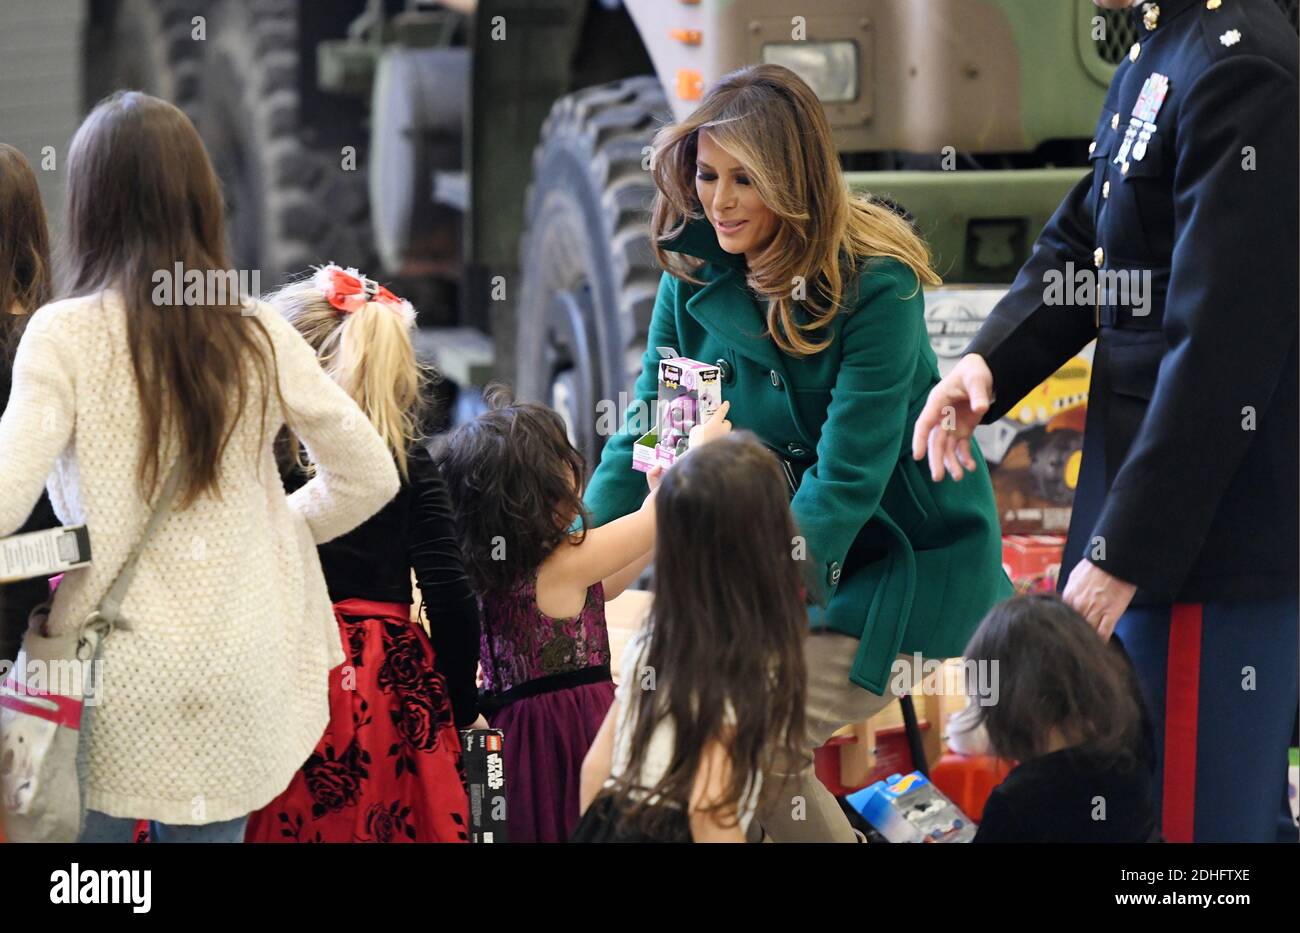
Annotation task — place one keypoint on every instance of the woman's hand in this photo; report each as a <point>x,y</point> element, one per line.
<point>716,427</point>
<point>480,723</point>
<point>955,406</point>
<point>653,477</point>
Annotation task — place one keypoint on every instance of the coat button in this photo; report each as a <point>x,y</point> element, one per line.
<point>1092,147</point>
<point>1098,257</point>
<point>776,379</point>
<point>796,450</point>
<point>1105,188</point>
<point>833,573</point>
<point>724,368</point>
<point>1123,169</point>
<point>1114,122</point>
<point>1134,51</point>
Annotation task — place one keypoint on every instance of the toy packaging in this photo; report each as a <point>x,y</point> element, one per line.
<point>1034,451</point>
<point>486,781</point>
<point>908,808</point>
<point>689,393</point>
<point>43,553</point>
<point>1033,562</point>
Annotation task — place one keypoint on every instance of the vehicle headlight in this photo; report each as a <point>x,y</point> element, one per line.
<point>830,68</point>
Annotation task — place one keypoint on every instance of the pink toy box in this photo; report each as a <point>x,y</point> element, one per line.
<point>689,393</point>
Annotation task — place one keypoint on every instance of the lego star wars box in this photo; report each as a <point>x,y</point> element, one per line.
<point>1034,451</point>
<point>486,779</point>
<point>43,553</point>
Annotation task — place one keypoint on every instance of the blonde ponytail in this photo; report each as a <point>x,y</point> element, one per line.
<point>368,352</point>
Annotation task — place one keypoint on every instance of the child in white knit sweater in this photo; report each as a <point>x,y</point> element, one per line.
<point>215,692</point>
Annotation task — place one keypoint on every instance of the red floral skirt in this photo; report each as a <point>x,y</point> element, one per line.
<point>388,768</point>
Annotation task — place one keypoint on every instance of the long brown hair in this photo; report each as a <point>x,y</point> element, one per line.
<point>142,197</point>
<point>25,278</point>
<point>515,484</point>
<point>770,121</point>
<point>726,629</point>
<point>1055,675</point>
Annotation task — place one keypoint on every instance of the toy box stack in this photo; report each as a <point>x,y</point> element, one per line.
<point>689,393</point>
<point>1034,451</point>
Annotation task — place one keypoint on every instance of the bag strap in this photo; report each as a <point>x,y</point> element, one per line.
<point>110,607</point>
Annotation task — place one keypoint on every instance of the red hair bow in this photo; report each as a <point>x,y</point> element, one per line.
<point>348,291</point>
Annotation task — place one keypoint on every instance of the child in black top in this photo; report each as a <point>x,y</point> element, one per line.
<point>1068,710</point>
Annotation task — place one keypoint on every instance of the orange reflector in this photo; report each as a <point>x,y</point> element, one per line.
<point>690,84</point>
<point>687,36</point>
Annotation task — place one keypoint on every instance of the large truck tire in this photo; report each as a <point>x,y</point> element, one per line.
<point>143,45</point>
<point>288,205</point>
<point>589,275</point>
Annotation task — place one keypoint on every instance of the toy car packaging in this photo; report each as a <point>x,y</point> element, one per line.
<point>908,808</point>
<point>689,393</point>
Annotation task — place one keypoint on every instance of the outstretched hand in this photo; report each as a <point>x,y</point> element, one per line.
<point>955,406</point>
<point>717,426</point>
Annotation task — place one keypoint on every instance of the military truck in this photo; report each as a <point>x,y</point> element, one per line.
<point>494,159</point>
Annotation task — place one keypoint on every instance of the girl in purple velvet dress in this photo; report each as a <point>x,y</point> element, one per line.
<point>516,484</point>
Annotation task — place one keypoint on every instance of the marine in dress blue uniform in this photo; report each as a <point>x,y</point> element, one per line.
<point>1188,485</point>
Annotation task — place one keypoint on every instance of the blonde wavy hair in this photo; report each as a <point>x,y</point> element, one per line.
<point>770,121</point>
<point>369,354</point>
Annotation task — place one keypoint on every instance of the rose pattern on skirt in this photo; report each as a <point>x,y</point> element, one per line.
<point>341,796</point>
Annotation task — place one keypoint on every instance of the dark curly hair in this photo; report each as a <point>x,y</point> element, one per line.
<point>515,484</point>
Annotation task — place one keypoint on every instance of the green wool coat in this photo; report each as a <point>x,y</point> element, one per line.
<point>905,564</point>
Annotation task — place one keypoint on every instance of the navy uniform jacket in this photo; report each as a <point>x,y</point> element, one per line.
<point>1190,465</point>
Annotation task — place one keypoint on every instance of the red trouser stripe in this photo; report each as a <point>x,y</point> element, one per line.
<point>1182,681</point>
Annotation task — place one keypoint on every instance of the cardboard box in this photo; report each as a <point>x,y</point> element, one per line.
<point>1034,451</point>
<point>486,780</point>
<point>43,553</point>
<point>1033,562</point>
<point>689,393</point>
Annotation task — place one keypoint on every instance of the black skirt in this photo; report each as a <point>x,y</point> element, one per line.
<point>601,824</point>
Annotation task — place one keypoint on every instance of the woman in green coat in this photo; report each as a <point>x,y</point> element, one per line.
<point>810,302</point>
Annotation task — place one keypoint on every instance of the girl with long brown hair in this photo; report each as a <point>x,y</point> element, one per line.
<point>215,691</point>
<point>25,284</point>
<point>809,299</point>
<point>713,688</point>
<point>387,768</point>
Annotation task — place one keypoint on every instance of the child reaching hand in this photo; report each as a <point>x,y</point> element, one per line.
<point>1068,710</point>
<point>516,483</point>
<point>712,695</point>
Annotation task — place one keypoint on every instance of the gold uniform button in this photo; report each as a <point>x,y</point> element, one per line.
<point>1098,257</point>
<point>1123,169</point>
<point>1105,189</point>
<point>1114,122</point>
<point>1213,4</point>
<point>1092,147</point>
<point>1134,51</point>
